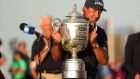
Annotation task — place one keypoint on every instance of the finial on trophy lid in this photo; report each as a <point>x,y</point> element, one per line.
<point>74,13</point>
<point>74,8</point>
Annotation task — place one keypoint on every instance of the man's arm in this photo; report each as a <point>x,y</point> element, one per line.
<point>57,52</point>
<point>43,53</point>
<point>56,49</point>
<point>33,69</point>
<point>100,52</point>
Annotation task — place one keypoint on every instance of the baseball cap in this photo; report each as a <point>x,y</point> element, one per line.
<point>95,4</point>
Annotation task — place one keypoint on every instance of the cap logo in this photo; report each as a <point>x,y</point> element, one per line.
<point>97,2</point>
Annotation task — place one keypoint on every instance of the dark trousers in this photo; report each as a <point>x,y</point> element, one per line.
<point>90,76</point>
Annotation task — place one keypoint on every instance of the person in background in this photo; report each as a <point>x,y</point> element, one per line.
<point>2,60</point>
<point>116,70</point>
<point>24,54</point>
<point>104,72</point>
<point>50,51</point>
<point>18,67</point>
<point>132,56</point>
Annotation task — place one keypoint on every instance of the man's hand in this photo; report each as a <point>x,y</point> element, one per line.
<point>93,38</point>
<point>56,36</point>
<point>137,76</point>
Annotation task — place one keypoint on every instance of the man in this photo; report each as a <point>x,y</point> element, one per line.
<point>132,56</point>
<point>50,50</point>
<point>97,49</point>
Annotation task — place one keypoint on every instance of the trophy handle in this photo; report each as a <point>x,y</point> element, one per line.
<point>92,25</point>
<point>56,22</point>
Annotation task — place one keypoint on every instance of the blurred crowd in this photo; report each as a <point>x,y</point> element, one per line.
<point>22,66</point>
<point>114,70</point>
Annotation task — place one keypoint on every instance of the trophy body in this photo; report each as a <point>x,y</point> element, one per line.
<point>75,39</point>
<point>74,32</point>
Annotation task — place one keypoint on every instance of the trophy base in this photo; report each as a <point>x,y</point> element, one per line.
<point>74,69</point>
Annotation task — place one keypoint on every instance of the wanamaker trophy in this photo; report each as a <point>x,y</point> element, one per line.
<point>74,32</point>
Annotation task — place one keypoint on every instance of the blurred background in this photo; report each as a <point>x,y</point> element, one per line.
<point>121,19</point>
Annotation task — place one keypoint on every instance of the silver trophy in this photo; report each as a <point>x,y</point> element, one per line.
<point>74,32</point>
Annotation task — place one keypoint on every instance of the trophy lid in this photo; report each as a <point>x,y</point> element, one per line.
<point>74,13</point>
<point>75,16</point>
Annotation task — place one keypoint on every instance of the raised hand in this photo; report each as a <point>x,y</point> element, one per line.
<point>56,36</point>
<point>93,38</point>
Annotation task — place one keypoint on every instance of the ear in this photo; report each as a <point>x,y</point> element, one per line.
<point>84,8</point>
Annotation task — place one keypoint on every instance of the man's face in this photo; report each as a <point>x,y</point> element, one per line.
<point>46,27</point>
<point>91,14</point>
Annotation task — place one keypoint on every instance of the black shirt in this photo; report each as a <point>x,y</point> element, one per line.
<point>88,55</point>
<point>48,63</point>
